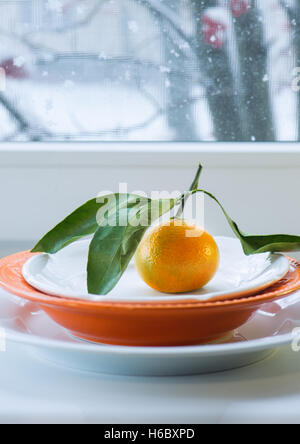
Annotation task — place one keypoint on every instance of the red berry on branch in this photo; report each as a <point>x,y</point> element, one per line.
<point>214,32</point>
<point>13,70</point>
<point>239,7</point>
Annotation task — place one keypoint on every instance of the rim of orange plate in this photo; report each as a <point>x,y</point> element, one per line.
<point>11,279</point>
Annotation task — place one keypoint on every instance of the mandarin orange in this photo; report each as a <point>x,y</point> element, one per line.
<point>176,257</point>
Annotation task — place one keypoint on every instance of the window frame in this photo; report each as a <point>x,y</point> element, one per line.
<point>211,154</point>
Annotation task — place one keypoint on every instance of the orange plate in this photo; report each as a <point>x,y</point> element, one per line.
<point>143,323</point>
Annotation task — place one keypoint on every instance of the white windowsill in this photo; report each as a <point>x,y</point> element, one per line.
<point>159,154</point>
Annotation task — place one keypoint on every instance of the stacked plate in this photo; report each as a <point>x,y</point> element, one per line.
<point>150,332</point>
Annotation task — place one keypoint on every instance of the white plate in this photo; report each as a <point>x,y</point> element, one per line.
<point>273,326</point>
<point>63,274</point>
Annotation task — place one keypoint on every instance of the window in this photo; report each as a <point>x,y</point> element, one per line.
<point>149,70</point>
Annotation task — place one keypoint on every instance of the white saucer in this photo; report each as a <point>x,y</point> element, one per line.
<point>64,274</point>
<point>271,327</point>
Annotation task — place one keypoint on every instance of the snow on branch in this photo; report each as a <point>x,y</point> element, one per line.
<point>164,13</point>
<point>24,125</point>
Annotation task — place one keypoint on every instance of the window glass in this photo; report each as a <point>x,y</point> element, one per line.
<point>149,70</point>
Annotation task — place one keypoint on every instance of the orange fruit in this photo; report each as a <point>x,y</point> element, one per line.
<point>176,257</point>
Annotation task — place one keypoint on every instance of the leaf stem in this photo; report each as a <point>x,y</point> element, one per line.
<point>193,188</point>
<point>195,184</point>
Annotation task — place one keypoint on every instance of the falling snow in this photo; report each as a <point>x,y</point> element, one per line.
<point>133,26</point>
<point>54,5</point>
<point>19,61</point>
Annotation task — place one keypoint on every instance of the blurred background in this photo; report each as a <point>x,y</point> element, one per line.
<point>149,70</point>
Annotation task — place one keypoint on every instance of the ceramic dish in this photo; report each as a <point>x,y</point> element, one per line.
<point>271,327</point>
<point>63,274</point>
<point>160,323</point>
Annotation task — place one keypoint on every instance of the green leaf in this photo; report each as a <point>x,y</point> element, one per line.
<point>82,222</point>
<point>255,244</point>
<point>113,247</point>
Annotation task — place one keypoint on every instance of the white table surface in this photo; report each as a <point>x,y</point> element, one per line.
<point>33,391</point>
